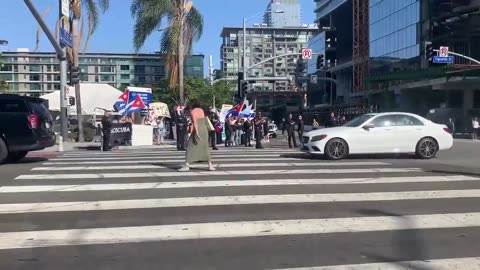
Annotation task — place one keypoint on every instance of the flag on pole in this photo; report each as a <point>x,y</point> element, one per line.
<point>136,106</point>
<point>121,102</point>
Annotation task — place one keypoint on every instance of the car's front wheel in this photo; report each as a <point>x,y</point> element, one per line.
<point>336,149</point>
<point>427,148</point>
<point>16,156</point>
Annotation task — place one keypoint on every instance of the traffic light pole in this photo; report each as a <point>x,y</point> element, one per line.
<point>63,99</point>
<point>62,56</point>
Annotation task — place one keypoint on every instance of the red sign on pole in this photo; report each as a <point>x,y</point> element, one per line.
<point>443,52</point>
<point>307,54</point>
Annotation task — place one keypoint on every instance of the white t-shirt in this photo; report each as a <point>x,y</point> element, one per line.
<point>475,124</point>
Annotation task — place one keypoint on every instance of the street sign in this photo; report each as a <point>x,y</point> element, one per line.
<point>307,54</point>
<point>65,38</point>
<point>66,8</point>
<point>443,60</point>
<point>443,51</point>
<point>313,79</point>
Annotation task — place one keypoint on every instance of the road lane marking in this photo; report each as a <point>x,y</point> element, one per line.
<point>211,173</point>
<point>136,234</point>
<point>438,264</point>
<point>234,183</point>
<point>234,200</point>
<point>228,165</point>
<point>150,161</point>
<point>174,153</point>
<point>159,157</point>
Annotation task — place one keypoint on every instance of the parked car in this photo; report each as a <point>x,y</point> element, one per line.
<point>26,125</point>
<point>272,130</point>
<point>380,133</point>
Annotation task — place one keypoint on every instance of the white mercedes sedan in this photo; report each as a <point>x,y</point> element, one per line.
<point>381,133</point>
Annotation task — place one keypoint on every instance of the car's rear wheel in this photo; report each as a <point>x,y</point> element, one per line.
<point>3,151</point>
<point>16,156</point>
<point>336,149</point>
<point>427,148</point>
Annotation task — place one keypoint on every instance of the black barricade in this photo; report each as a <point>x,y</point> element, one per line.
<point>121,134</point>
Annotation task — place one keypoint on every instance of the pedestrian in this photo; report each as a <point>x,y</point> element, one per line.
<point>301,127</point>
<point>476,127</point>
<point>197,146</point>
<point>451,125</point>
<point>161,129</point>
<point>332,121</point>
<point>106,129</point>
<point>343,120</point>
<point>266,130</point>
<point>228,131</point>
<point>315,124</point>
<point>218,130</point>
<point>239,132</point>
<point>247,130</point>
<point>181,128</point>
<point>213,117</point>
<point>290,127</point>
<point>258,123</point>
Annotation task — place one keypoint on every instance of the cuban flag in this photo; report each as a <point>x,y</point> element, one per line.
<point>248,112</point>
<point>235,111</point>
<point>135,106</point>
<point>121,102</point>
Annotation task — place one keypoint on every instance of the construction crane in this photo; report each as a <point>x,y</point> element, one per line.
<point>361,44</point>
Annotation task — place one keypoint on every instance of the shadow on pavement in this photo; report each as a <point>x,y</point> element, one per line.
<point>301,155</point>
<point>89,148</point>
<point>29,160</point>
<point>407,245</point>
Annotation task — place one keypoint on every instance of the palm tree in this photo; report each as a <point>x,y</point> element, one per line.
<point>91,8</point>
<point>185,25</point>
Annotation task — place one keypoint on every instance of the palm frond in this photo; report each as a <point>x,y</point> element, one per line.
<point>37,44</point>
<point>90,7</point>
<point>89,34</point>
<point>194,21</point>
<point>148,15</point>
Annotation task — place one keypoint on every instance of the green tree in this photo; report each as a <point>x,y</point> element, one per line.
<point>198,89</point>
<point>91,9</point>
<point>185,25</point>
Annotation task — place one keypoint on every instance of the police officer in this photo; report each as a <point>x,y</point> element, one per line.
<point>181,125</point>
<point>106,129</point>
<point>290,126</point>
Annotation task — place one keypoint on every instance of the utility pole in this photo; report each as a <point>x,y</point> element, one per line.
<point>61,55</point>
<point>65,23</point>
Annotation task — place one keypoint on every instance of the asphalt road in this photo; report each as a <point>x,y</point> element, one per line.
<point>262,209</point>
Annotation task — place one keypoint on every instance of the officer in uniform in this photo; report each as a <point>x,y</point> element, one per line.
<point>106,129</point>
<point>181,125</point>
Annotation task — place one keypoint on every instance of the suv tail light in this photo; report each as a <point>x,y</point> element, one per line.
<point>33,121</point>
<point>447,130</point>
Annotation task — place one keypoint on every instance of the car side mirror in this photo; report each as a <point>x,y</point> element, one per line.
<point>368,126</point>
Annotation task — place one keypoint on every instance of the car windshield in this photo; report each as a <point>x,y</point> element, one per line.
<point>358,121</point>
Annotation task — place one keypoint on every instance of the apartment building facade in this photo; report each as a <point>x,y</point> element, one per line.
<point>37,73</point>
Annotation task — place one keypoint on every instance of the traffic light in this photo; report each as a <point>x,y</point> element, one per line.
<point>240,78</point>
<point>74,75</point>
<point>429,52</point>
<point>71,101</point>
<point>244,85</point>
<point>320,61</point>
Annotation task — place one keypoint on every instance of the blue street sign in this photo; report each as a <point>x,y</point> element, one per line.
<point>65,38</point>
<point>443,60</point>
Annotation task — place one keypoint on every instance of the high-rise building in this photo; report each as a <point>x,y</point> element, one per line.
<point>283,13</point>
<point>263,43</point>
<point>39,72</point>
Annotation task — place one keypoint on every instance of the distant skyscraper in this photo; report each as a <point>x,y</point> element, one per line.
<point>281,13</point>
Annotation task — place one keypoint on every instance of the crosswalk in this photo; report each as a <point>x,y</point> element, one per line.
<point>261,209</point>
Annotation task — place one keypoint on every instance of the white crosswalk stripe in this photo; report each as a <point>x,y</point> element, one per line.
<point>108,201</point>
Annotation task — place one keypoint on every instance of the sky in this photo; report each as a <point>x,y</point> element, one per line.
<point>115,30</point>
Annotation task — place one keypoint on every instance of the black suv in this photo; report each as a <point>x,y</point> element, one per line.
<point>25,125</point>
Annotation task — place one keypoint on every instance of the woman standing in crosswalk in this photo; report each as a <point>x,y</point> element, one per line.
<point>197,146</point>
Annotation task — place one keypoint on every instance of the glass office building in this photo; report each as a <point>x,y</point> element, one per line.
<point>283,13</point>
<point>394,30</point>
